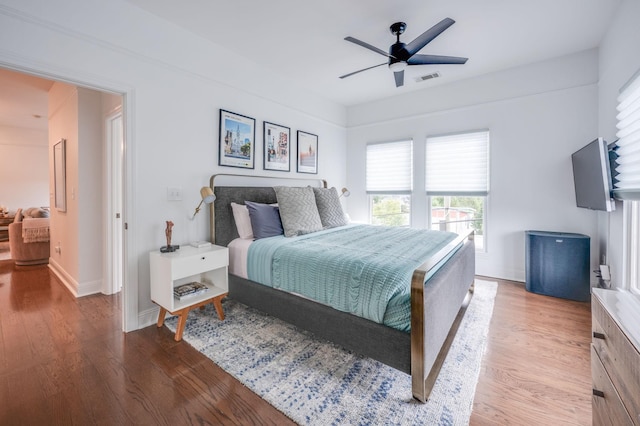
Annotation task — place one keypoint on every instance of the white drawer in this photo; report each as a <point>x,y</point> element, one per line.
<point>198,263</point>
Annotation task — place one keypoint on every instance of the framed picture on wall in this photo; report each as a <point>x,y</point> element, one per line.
<point>307,152</point>
<point>236,146</point>
<point>277,147</point>
<point>60,175</point>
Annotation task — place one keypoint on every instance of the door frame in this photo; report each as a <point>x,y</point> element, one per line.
<point>114,151</point>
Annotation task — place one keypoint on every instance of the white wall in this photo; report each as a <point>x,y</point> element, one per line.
<point>89,192</point>
<point>24,168</point>
<point>535,126</point>
<point>619,60</point>
<point>63,124</point>
<point>174,83</point>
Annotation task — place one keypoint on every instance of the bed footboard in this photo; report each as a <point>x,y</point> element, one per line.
<point>437,308</point>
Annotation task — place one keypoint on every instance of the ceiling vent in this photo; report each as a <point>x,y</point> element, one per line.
<point>427,77</point>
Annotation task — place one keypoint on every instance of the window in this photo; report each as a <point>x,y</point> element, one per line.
<point>457,182</point>
<point>389,179</point>
<point>627,186</point>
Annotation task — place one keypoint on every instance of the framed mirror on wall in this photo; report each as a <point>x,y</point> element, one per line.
<point>59,175</point>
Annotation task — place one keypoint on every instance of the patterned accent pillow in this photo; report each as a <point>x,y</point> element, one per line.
<point>329,207</point>
<point>298,210</point>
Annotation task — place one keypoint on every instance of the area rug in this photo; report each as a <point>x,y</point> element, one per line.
<point>315,382</point>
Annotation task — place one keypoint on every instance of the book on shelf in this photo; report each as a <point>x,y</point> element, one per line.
<point>189,290</point>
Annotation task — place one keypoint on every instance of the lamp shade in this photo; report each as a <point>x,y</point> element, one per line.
<point>207,195</point>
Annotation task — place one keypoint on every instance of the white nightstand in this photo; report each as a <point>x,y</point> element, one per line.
<point>206,265</point>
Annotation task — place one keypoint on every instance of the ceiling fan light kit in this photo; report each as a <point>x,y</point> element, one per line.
<point>401,55</point>
<point>397,66</point>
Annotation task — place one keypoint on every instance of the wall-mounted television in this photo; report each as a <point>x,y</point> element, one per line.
<point>592,176</point>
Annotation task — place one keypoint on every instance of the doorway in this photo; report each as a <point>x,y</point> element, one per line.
<point>114,190</point>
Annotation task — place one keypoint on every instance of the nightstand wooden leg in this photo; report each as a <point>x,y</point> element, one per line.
<point>161,315</point>
<point>182,320</point>
<point>217,302</point>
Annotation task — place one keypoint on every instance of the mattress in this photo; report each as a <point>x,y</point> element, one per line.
<point>360,269</point>
<point>238,252</point>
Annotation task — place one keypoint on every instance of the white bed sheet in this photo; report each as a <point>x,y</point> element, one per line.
<point>238,252</point>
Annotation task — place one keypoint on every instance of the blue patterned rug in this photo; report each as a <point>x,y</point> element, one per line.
<point>317,383</point>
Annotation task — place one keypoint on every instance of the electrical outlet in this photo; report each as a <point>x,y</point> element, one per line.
<point>605,273</point>
<point>174,193</point>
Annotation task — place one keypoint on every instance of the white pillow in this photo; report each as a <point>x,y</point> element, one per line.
<point>243,221</point>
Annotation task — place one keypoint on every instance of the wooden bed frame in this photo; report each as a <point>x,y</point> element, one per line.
<point>437,307</point>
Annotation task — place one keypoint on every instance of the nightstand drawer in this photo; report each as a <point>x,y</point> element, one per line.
<point>198,263</point>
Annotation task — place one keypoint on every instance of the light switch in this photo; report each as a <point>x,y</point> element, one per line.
<point>174,193</point>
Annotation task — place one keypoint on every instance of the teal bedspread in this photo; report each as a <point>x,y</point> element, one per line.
<point>361,269</point>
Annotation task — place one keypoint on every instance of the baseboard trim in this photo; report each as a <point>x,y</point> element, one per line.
<point>77,289</point>
<point>148,317</point>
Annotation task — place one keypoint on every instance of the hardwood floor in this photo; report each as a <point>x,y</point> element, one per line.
<point>536,369</point>
<point>65,361</point>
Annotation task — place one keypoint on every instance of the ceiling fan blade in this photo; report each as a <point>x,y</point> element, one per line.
<point>399,76</point>
<point>433,32</point>
<point>435,59</point>
<point>368,46</point>
<point>364,69</point>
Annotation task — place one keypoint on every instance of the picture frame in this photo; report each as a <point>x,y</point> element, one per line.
<point>236,145</point>
<point>60,175</point>
<point>277,147</point>
<point>307,152</point>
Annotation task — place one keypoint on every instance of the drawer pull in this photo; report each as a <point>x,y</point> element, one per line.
<point>598,393</point>
<point>598,335</point>
<point>204,258</point>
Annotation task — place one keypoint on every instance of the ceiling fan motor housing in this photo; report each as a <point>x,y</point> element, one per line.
<point>398,53</point>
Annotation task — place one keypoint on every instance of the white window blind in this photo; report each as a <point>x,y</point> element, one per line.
<point>390,168</point>
<point>628,162</point>
<point>458,164</point>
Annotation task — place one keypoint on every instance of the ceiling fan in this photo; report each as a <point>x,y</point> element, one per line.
<point>400,55</point>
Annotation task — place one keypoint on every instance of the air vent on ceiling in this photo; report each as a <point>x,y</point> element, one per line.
<point>427,76</point>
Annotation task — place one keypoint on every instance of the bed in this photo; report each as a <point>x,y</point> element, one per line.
<point>436,307</point>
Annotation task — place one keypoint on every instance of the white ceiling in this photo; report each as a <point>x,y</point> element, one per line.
<point>304,40</point>
<point>23,100</point>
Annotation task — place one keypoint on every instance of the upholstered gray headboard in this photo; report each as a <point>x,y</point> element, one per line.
<point>225,226</point>
<point>222,225</point>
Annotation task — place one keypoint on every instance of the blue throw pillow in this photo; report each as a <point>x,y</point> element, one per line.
<point>265,220</point>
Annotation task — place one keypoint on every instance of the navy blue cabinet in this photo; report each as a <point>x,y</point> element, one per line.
<point>557,264</point>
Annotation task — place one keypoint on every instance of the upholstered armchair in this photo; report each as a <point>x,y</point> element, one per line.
<point>35,250</point>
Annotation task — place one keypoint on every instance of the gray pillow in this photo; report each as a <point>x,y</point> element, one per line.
<point>298,210</point>
<point>265,220</point>
<point>329,207</point>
